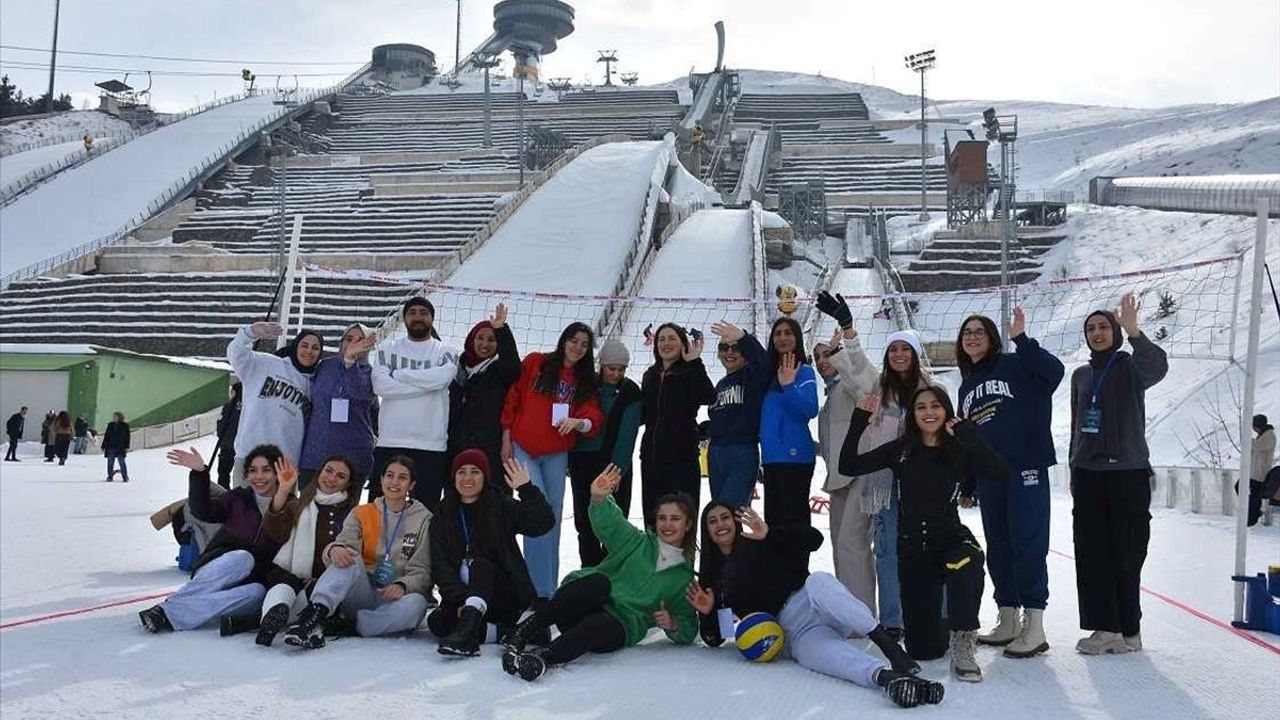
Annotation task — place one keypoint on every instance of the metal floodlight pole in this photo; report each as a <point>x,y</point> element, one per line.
<point>922,62</point>
<point>520,128</point>
<point>53,57</point>
<point>488,110</point>
<point>1006,230</point>
<point>457,42</point>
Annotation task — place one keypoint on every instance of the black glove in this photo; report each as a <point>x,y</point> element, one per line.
<point>837,308</point>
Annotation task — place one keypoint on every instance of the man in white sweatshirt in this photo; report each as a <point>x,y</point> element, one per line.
<point>277,391</point>
<point>411,375</point>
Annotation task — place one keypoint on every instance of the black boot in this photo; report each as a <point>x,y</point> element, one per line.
<point>465,639</point>
<point>308,631</point>
<point>893,652</point>
<point>154,620</point>
<point>908,691</point>
<point>528,664</point>
<point>339,626</point>
<point>442,621</point>
<point>273,621</point>
<point>229,625</point>
<point>529,631</point>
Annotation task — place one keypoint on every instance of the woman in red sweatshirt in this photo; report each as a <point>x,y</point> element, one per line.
<point>554,401</point>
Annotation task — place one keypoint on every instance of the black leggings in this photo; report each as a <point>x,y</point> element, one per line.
<point>577,609</point>
<point>488,582</point>
<point>583,468</point>
<point>786,493</point>
<point>660,478</point>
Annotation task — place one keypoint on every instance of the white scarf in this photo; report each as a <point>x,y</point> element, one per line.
<point>669,556</point>
<point>480,367</point>
<point>299,553</point>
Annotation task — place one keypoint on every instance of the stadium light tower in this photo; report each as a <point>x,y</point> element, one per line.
<point>53,56</point>
<point>922,62</point>
<point>608,57</point>
<point>457,41</point>
<point>487,63</point>
<point>1004,130</point>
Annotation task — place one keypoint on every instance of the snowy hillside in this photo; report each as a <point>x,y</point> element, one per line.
<point>66,126</point>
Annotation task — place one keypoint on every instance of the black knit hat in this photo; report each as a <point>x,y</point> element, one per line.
<point>418,301</point>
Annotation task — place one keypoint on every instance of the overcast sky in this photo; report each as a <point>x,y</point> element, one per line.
<point>1141,53</point>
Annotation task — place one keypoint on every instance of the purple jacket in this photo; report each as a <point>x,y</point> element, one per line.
<point>355,437</point>
<point>241,520</point>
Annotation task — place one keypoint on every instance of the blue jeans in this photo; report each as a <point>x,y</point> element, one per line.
<point>542,553</point>
<point>733,471</point>
<point>885,543</point>
<point>112,456</point>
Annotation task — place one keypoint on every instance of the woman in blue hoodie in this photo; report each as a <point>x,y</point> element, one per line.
<point>787,449</point>
<point>341,420</point>
<point>1009,397</point>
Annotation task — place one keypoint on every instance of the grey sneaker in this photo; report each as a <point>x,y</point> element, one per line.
<point>1101,642</point>
<point>1133,642</point>
<point>963,664</point>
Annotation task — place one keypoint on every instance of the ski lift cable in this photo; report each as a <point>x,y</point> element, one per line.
<point>172,58</point>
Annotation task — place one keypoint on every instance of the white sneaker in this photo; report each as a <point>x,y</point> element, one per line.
<point>1102,643</point>
<point>1006,629</point>
<point>963,664</point>
<point>1031,641</point>
<point>1134,642</point>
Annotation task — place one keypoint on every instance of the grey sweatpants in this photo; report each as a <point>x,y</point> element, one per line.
<point>350,589</point>
<point>818,620</point>
<point>215,591</point>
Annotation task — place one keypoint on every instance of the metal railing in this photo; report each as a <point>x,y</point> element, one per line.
<point>178,187</point>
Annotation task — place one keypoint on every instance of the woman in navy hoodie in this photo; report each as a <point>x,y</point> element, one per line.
<point>341,420</point>
<point>787,449</point>
<point>1009,397</point>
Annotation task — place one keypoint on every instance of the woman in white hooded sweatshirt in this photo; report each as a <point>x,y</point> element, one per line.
<point>864,512</point>
<point>277,391</point>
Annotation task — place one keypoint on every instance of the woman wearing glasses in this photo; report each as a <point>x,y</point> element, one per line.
<point>733,452</point>
<point>1009,397</point>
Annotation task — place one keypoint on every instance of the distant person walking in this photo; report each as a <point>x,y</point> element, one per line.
<point>115,445</point>
<point>47,436</point>
<point>63,431</point>
<point>82,435</point>
<point>16,424</point>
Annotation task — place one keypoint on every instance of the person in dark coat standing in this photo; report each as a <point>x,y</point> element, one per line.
<point>81,435</point>
<point>228,423</point>
<point>13,428</point>
<point>673,389</point>
<point>475,561</point>
<point>1009,397</point>
<point>1111,477</point>
<point>228,579</point>
<point>63,430</point>
<point>490,364</point>
<point>48,437</point>
<point>115,445</point>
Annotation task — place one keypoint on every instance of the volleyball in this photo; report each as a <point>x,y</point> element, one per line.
<point>759,637</point>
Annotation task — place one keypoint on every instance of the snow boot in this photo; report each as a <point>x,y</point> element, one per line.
<point>908,691</point>
<point>154,620</point>
<point>273,621</point>
<point>963,665</point>
<point>465,639</point>
<point>1031,641</point>
<point>441,622</point>
<point>308,631</point>
<point>339,626</point>
<point>1102,642</point>
<point>1006,629</point>
<point>893,652</point>
<point>529,664</point>
<point>229,625</point>
<point>528,631</point>
<point>1134,642</point>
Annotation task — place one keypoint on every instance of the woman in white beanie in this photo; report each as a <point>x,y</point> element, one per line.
<point>864,511</point>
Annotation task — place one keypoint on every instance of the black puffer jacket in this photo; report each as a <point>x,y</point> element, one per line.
<point>671,401</point>
<point>475,403</point>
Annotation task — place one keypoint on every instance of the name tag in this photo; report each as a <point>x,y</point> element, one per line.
<point>339,410</point>
<point>725,616</point>
<point>559,411</point>
<point>1091,422</point>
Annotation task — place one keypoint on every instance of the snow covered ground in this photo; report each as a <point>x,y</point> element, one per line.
<point>107,192</point>
<point>73,542</point>
<point>63,126</point>
<point>16,165</point>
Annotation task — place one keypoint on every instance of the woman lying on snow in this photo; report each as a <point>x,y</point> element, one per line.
<point>230,574</point>
<point>760,572</point>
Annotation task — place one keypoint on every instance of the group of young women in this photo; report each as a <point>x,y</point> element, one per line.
<point>900,459</point>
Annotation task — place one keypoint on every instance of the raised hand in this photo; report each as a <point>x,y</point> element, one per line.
<point>951,426</point>
<point>753,522</point>
<point>695,349</point>
<point>359,347</point>
<point>341,556</point>
<point>787,370</point>
<point>836,307</point>
<point>836,337</point>
<point>188,459</point>
<point>286,476</point>
<point>266,330</point>
<point>702,600</point>
<point>663,619</point>
<point>1019,324</point>
<point>517,473</point>
<point>499,318</point>
<point>728,332</point>
<point>870,403</point>
<point>605,483</point>
<point>1127,314</point>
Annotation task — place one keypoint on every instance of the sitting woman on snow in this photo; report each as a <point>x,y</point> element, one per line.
<point>378,569</point>
<point>304,525</point>
<point>760,572</point>
<point>640,584</point>
<point>933,464</point>
<point>228,579</point>
<point>475,561</point>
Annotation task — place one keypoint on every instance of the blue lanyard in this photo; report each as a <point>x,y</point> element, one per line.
<point>1102,376</point>
<point>386,555</point>
<point>466,531</point>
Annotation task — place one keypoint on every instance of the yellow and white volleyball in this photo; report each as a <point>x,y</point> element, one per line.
<point>759,637</point>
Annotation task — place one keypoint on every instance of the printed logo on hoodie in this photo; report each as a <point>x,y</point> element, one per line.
<point>991,393</point>
<point>273,387</point>
<point>399,362</point>
<point>732,395</point>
